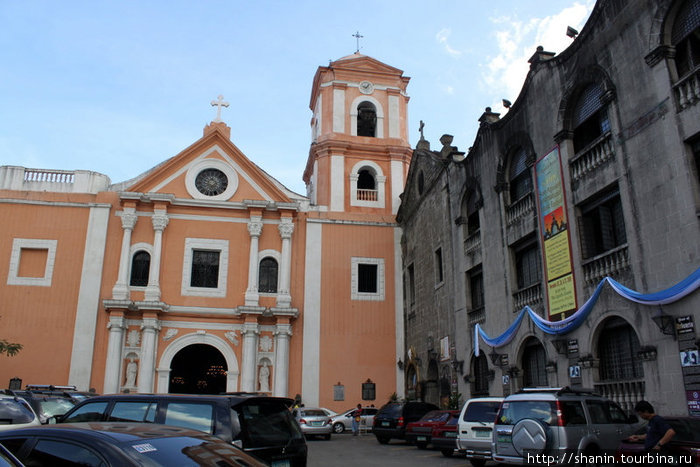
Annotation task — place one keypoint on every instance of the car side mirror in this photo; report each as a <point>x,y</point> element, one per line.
<point>52,420</point>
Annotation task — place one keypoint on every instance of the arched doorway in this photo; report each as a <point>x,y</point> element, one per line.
<point>198,369</point>
<point>432,390</point>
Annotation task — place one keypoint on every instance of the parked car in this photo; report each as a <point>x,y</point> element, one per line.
<point>444,437</point>
<point>555,421</point>
<point>313,422</point>
<point>121,445</point>
<point>15,412</point>
<point>260,425</point>
<point>476,427</point>
<point>392,418</point>
<point>343,421</point>
<point>420,431</point>
<point>45,405</point>
<point>329,412</point>
<point>685,445</point>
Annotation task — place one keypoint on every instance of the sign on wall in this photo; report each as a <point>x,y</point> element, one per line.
<point>554,235</point>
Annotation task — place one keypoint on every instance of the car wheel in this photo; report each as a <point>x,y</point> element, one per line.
<point>338,428</point>
<point>447,452</point>
<point>422,445</point>
<point>478,462</point>
<point>529,436</point>
<point>382,440</point>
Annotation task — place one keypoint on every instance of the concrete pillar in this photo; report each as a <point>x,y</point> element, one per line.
<point>254,229</point>
<point>116,327</point>
<point>286,228</point>
<point>250,345</point>
<point>160,221</point>
<point>120,291</point>
<point>147,362</point>
<point>281,370</point>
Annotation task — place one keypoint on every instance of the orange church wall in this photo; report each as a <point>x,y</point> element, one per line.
<point>358,338</point>
<point>41,318</point>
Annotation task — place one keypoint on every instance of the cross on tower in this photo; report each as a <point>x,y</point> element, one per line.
<point>357,36</point>
<point>219,103</point>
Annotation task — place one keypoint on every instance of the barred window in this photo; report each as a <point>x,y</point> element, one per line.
<point>534,373</point>
<point>480,385</point>
<point>590,118</point>
<point>519,178</point>
<point>602,225</point>
<point>685,37</point>
<point>140,266</point>
<point>205,268</point>
<point>528,265</point>
<point>267,275</point>
<point>617,350</point>
<point>476,287</point>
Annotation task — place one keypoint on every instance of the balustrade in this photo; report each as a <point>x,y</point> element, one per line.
<point>687,90</point>
<point>530,296</point>
<point>592,157</point>
<point>367,195</point>
<point>54,176</point>
<point>473,242</point>
<point>520,208</point>
<point>610,263</point>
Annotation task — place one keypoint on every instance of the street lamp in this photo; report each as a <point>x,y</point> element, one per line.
<point>664,322</point>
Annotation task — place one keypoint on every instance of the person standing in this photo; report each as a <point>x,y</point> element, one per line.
<point>659,432</point>
<point>356,417</point>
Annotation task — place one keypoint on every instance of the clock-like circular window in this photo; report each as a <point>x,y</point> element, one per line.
<point>211,182</point>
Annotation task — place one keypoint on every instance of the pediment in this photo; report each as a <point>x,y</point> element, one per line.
<point>212,169</point>
<point>364,63</point>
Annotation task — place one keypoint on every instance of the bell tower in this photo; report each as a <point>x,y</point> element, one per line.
<point>360,153</point>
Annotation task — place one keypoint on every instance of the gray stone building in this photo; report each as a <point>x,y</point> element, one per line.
<point>593,172</point>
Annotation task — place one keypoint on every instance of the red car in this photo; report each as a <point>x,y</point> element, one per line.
<point>444,437</point>
<point>420,432</point>
<point>685,445</point>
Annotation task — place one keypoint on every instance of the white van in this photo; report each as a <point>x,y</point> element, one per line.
<point>475,428</point>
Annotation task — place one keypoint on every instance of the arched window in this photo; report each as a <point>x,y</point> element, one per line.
<point>267,277</point>
<point>140,265</point>
<point>685,37</point>
<point>590,118</point>
<point>480,371</point>
<point>366,185</point>
<point>617,350</point>
<point>534,361</point>
<point>519,179</point>
<point>366,119</point>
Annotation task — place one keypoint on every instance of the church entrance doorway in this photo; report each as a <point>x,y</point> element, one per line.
<point>198,369</point>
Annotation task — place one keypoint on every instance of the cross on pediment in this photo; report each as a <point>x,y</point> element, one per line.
<point>220,102</point>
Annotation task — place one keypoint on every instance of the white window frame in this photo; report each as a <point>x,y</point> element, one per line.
<point>209,163</point>
<point>355,294</point>
<point>192,244</point>
<point>13,277</point>
<point>277,257</point>
<point>148,248</point>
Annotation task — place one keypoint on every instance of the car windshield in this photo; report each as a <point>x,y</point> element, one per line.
<point>514,411</point>
<point>54,406</point>
<point>183,451</point>
<point>481,411</point>
<point>435,416</point>
<point>267,422</point>
<point>13,412</point>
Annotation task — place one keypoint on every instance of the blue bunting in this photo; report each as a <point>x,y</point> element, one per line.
<point>565,326</point>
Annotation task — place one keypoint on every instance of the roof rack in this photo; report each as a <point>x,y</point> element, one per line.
<point>49,387</point>
<point>559,391</point>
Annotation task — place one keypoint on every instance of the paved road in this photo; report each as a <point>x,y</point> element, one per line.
<point>351,451</point>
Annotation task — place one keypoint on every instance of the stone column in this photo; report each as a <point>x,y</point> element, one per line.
<point>160,221</point>
<point>286,228</point>
<point>250,345</point>
<point>147,363</point>
<point>120,291</point>
<point>254,229</point>
<point>116,327</point>
<point>282,335</point>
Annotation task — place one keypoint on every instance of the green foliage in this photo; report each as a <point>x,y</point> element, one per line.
<point>455,402</point>
<point>393,397</point>
<point>9,348</point>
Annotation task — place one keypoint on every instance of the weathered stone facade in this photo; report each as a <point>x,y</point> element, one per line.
<point>620,106</point>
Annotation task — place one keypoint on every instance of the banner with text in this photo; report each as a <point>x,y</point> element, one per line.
<point>554,233</point>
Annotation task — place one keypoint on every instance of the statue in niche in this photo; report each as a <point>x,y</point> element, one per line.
<point>131,369</point>
<point>264,377</point>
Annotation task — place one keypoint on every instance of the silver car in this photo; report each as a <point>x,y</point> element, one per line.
<point>343,421</point>
<point>558,426</point>
<point>313,422</point>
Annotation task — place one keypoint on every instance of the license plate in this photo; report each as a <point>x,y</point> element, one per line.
<point>483,434</point>
<point>385,423</point>
<point>503,438</point>
<point>282,463</point>
<point>316,423</point>
<point>421,438</point>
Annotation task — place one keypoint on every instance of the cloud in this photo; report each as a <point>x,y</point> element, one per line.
<point>503,74</point>
<point>441,37</point>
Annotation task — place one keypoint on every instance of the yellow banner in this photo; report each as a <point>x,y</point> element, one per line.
<point>561,295</point>
<point>556,251</point>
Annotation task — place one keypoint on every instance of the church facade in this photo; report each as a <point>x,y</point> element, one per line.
<point>205,274</point>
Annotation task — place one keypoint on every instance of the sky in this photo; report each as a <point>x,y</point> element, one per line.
<point>117,87</point>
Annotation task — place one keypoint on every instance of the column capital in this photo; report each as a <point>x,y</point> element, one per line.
<point>283,330</point>
<point>250,329</point>
<point>152,324</point>
<point>160,221</point>
<point>116,322</point>
<point>255,228</point>
<point>129,219</point>
<point>286,227</point>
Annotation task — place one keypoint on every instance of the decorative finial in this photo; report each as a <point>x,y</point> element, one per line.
<point>357,36</point>
<point>219,103</point>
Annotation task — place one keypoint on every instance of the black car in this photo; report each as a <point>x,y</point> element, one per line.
<point>391,420</point>
<point>121,445</point>
<point>260,425</point>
